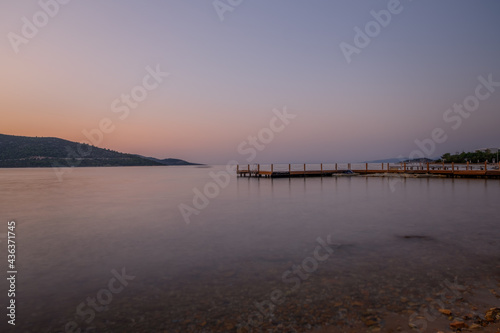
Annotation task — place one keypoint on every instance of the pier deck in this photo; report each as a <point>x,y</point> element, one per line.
<point>481,170</point>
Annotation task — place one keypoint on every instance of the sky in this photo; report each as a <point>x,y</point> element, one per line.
<point>350,80</point>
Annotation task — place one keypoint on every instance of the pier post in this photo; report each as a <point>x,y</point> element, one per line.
<point>321,168</point>
<point>304,168</point>
<point>427,167</point>
<point>258,169</point>
<point>237,169</point>
<point>349,166</point>
<point>366,166</point>
<point>382,166</point>
<point>388,167</point>
<point>289,169</point>
<point>467,167</point>
<point>405,166</point>
<point>443,166</point>
<point>335,166</point>
<point>452,167</point>
<point>249,173</point>
<point>272,168</point>
<point>485,165</point>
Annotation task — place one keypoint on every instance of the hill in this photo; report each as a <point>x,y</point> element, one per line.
<point>387,160</point>
<point>172,161</point>
<point>402,160</point>
<point>420,160</point>
<point>32,152</point>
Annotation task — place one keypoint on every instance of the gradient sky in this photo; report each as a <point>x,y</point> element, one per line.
<point>227,76</point>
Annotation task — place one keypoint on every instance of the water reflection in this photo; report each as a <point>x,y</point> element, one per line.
<point>235,251</point>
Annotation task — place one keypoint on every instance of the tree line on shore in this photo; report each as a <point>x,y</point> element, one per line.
<point>478,156</point>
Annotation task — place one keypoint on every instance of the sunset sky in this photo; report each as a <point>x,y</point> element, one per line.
<point>226,76</point>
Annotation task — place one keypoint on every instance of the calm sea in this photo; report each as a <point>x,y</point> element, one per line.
<point>108,250</point>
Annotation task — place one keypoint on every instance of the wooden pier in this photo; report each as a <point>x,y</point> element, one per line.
<point>468,170</point>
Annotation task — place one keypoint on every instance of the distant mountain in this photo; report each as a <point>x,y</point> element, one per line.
<point>32,152</point>
<point>402,160</point>
<point>420,160</point>
<point>388,160</point>
<point>171,161</point>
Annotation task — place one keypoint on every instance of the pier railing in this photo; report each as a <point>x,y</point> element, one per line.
<point>320,169</point>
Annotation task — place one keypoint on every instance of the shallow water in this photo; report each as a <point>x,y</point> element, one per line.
<point>214,273</point>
